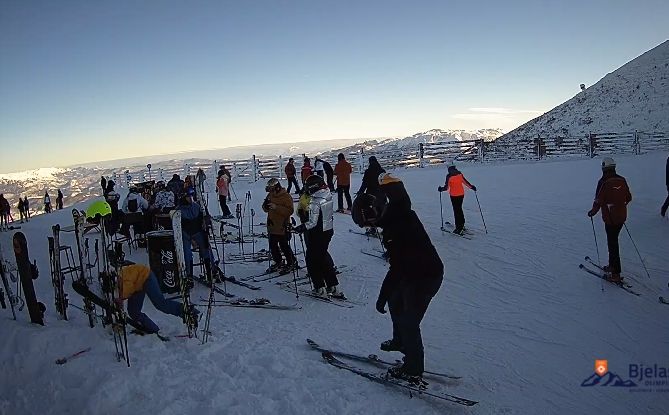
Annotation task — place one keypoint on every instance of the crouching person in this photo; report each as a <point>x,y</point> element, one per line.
<point>137,281</point>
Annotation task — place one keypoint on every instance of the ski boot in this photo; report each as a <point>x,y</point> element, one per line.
<point>615,278</point>
<point>335,293</point>
<point>274,267</point>
<point>391,345</point>
<point>399,372</point>
<point>320,292</point>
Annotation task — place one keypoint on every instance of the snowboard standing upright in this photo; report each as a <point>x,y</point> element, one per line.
<point>36,309</point>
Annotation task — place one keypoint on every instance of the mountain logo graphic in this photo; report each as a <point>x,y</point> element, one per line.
<point>609,379</point>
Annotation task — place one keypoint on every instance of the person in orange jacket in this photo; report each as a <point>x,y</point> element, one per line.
<point>612,197</point>
<point>137,281</point>
<point>455,185</point>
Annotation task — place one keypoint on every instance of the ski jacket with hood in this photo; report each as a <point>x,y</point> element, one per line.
<point>456,182</point>
<point>612,196</point>
<point>321,212</point>
<point>133,278</point>
<point>279,217</point>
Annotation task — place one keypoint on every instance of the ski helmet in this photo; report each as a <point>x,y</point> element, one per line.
<point>314,183</point>
<point>272,184</point>
<point>190,191</point>
<point>364,211</point>
<point>99,207</point>
<point>387,178</point>
<point>608,163</point>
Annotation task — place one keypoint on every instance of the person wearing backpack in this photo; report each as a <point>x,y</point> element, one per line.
<point>612,196</point>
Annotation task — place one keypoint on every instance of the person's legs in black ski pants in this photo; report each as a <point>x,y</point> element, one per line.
<point>223,201</point>
<point>274,241</point>
<point>347,194</point>
<point>612,232</point>
<point>314,262</point>
<point>458,215</point>
<point>284,244</point>
<point>665,206</point>
<point>340,197</point>
<point>328,266</point>
<point>291,181</point>
<point>415,300</point>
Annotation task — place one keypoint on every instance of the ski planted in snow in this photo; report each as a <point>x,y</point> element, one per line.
<point>386,379</point>
<point>28,272</point>
<point>79,223</point>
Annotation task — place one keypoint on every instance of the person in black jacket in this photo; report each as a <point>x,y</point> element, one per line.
<point>663,210</point>
<point>370,183</point>
<point>103,185</point>
<point>415,273</point>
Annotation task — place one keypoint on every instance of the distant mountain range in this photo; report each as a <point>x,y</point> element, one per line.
<point>430,136</point>
<point>633,97</point>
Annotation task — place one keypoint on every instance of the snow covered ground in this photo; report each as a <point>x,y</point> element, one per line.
<point>515,316</point>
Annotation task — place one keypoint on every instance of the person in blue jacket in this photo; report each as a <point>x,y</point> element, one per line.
<point>193,231</point>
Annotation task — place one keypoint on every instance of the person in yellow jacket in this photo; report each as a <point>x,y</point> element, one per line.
<point>278,205</point>
<point>137,281</point>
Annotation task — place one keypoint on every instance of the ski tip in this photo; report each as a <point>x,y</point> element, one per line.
<point>587,258</point>
<point>581,266</point>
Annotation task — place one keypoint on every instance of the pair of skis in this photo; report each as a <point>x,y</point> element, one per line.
<point>330,356</point>
<point>601,273</point>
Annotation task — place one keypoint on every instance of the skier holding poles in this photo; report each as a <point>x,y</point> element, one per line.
<point>455,182</point>
<point>612,196</point>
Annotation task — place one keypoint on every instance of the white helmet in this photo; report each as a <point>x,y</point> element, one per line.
<point>608,163</point>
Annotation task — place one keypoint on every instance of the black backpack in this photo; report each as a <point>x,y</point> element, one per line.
<point>132,205</point>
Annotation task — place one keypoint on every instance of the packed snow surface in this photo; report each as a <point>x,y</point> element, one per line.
<point>515,317</point>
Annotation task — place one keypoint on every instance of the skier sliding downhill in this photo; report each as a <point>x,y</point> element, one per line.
<point>455,182</point>
<point>415,273</point>
<point>612,196</point>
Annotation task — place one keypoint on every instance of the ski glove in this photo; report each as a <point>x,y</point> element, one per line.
<point>300,229</point>
<point>473,188</point>
<point>381,305</point>
<point>440,188</point>
<point>592,212</point>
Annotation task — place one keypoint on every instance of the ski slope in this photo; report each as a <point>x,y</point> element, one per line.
<point>515,317</point>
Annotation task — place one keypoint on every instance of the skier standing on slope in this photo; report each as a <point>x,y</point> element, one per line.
<point>455,182</point>
<point>278,205</point>
<point>22,210</point>
<point>112,198</point>
<point>318,228</point>
<point>306,170</point>
<point>223,190</point>
<point>137,281</point>
<point>612,196</point>
<point>4,212</point>
<point>343,172</point>
<point>59,200</point>
<point>26,206</point>
<point>290,175</point>
<point>663,210</point>
<point>192,231</point>
<point>103,185</point>
<point>414,276</point>
<point>47,202</point>
<point>176,185</point>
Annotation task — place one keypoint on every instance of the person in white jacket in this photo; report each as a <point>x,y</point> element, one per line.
<point>318,228</point>
<point>133,203</point>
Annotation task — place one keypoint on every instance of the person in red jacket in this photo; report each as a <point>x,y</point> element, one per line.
<point>290,176</point>
<point>612,197</point>
<point>455,186</point>
<point>307,169</point>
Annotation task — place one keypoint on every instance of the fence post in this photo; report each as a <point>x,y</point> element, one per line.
<point>481,150</point>
<point>421,154</point>
<point>254,169</point>
<point>360,161</point>
<point>280,167</point>
<point>591,145</point>
<point>637,143</point>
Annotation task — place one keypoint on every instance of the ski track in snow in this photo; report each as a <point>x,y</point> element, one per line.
<point>514,316</point>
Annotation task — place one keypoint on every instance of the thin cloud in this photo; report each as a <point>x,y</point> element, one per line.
<point>505,111</point>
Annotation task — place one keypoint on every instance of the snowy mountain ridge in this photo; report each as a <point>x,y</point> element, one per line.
<point>633,97</point>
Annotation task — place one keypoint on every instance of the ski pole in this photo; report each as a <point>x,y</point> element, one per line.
<point>637,250</point>
<point>441,210</point>
<point>480,210</point>
<point>594,234</point>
